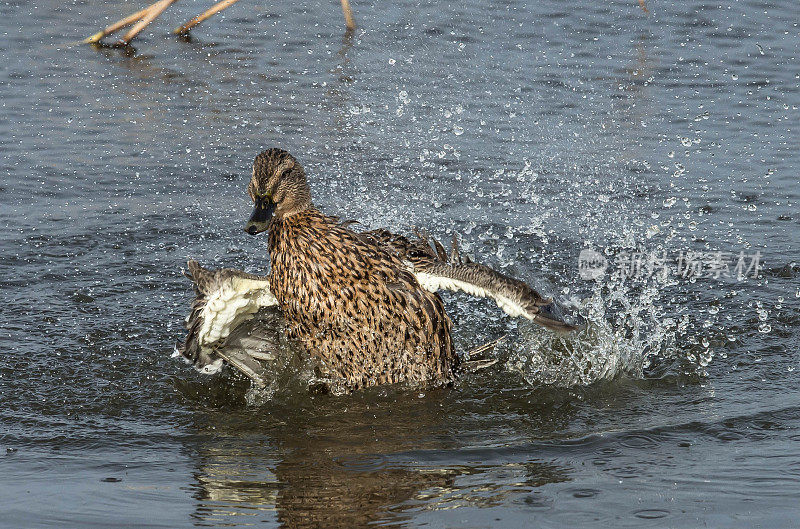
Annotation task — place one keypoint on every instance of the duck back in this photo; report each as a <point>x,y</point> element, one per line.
<point>353,305</point>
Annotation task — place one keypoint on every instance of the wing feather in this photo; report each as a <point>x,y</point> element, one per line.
<point>435,270</point>
<point>224,300</point>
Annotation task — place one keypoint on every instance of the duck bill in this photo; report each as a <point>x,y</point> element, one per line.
<point>260,218</point>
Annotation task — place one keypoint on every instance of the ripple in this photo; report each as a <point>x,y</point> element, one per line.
<point>651,514</point>
<point>626,472</point>
<point>585,493</point>
<point>729,436</point>
<point>538,500</point>
<point>793,469</point>
<point>638,441</point>
<point>364,463</point>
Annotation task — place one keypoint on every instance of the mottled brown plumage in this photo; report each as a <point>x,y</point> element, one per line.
<point>364,305</point>
<point>346,299</point>
<point>353,303</point>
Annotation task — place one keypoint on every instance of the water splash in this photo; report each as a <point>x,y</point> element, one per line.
<point>625,331</point>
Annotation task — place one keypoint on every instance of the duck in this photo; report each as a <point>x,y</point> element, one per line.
<point>365,305</point>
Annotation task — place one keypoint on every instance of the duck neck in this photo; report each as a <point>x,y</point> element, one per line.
<point>288,210</point>
<point>293,196</point>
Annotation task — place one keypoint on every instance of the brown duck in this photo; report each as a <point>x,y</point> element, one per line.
<point>363,304</point>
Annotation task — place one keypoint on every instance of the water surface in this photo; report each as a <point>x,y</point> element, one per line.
<point>534,131</point>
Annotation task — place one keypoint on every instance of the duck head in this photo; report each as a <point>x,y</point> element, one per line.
<point>278,188</point>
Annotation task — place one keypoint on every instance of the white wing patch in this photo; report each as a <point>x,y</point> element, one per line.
<point>236,302</point>
<point>433,283</point>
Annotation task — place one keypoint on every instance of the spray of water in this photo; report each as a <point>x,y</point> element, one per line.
<point>625,331</point>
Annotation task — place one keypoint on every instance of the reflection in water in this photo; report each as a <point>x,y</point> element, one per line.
<point>635,103</point>
<point>319,491</point>
<point>143,70</point>
<point>345,462</point>
<point>345,68</point>
<point>337,95</point>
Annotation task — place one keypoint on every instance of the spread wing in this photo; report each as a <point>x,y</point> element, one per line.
<point>225,300</point>
<point>436,270</point>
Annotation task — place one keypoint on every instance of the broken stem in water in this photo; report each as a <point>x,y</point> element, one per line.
<point>216,8</point>
<point>152,13</point>
<point>116,26</point>
<point>348,15</point>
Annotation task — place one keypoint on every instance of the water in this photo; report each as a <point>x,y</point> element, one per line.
<point>534,131</point>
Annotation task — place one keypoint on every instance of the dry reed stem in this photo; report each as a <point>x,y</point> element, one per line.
<point>216,8</point>
<point>348,15</point>
<point>116,26</point>
<point>152,13</point>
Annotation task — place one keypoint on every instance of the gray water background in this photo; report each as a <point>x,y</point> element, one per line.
<point>533,130</point>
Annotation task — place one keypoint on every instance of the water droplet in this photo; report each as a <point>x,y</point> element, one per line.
<point>765,328</point>
<point>706,357</point>
<point>458,130</point>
